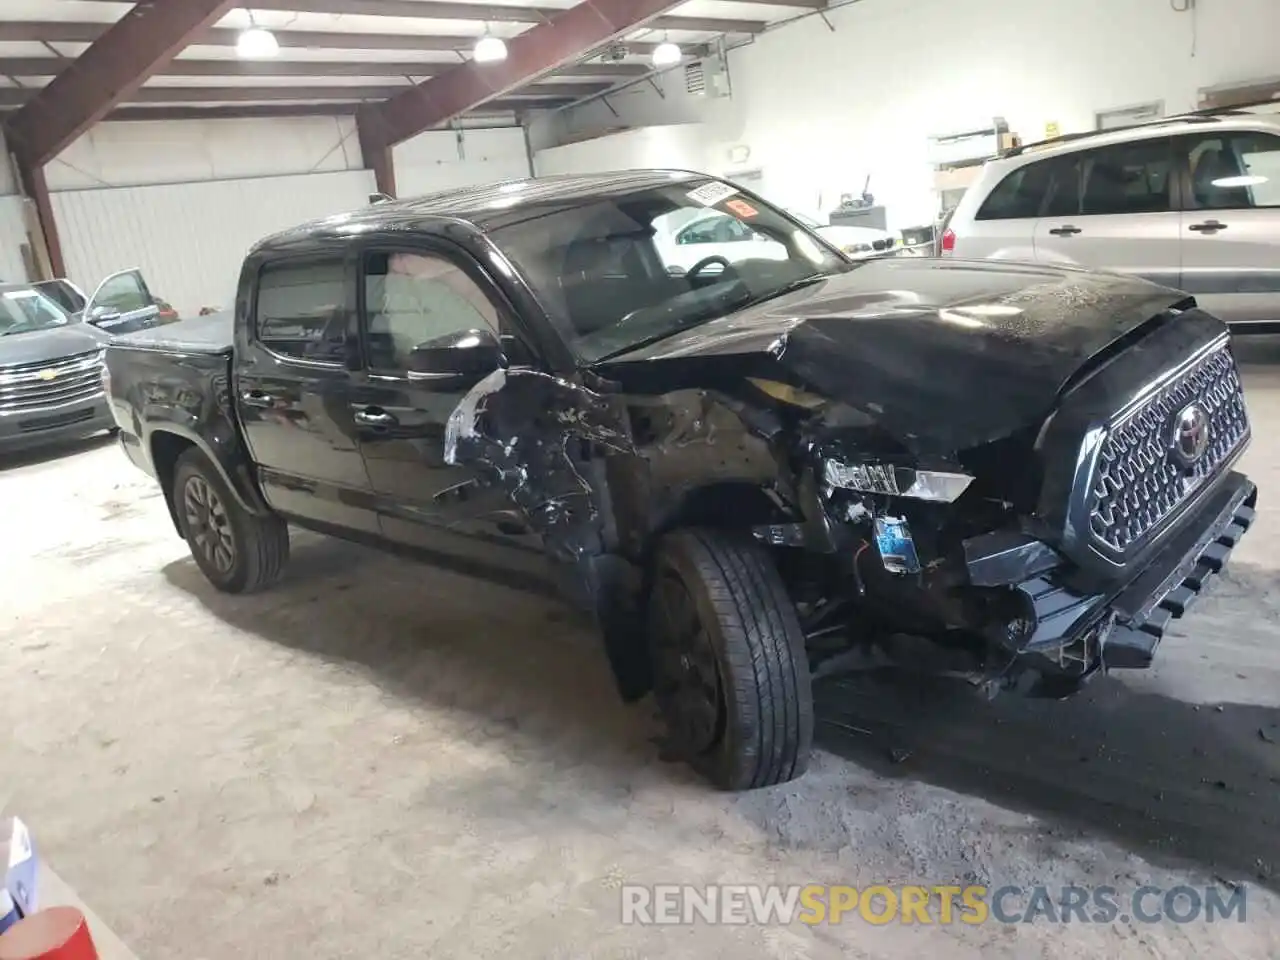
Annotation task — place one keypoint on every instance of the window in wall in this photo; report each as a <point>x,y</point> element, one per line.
<point>1127,178</point>
<point>1019,195</point>
<point>411,298</point>
<point>1127,116</point>
<point>302,310</point>
<point>1235,171</point>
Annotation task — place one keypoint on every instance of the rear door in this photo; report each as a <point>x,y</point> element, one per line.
<point>1231,224</point>
<point>293,383</point>
<point>122,304</point>
<point>411,295</point>
<point>1115,208</point>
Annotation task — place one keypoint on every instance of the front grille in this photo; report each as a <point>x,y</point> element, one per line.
<point>1140,480</point>
<point>53,383</point>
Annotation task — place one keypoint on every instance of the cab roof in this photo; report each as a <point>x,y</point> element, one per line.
<point>486,207</point>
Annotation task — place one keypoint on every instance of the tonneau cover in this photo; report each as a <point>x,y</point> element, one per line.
<point>209,334</point>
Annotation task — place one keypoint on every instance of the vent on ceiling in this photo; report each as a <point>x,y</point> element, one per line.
<point>695,78</point>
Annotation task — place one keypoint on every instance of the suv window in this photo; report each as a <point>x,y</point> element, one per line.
<point>302,310</point>
<point>1018,196</point>
<point>1233,171</point>
<point>123,293</point>
<point>1127,178</point>
<point>410,298</point>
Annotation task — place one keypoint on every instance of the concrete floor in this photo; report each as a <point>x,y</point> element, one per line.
<point>381,759</point>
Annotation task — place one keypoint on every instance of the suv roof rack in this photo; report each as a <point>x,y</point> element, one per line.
<point>1198,116</point>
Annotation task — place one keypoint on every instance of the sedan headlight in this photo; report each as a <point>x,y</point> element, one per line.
<point>937,485</point>
<point>857,248</point>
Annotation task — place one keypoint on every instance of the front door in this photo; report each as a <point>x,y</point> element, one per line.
<point>410,297</point>
<point>1231,225</point>
<point>122,304</point>
<point>292,390</point>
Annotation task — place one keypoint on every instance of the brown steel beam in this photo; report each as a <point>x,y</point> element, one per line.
<point>803,4</point>
<point>267,111</point>
<point>376,154</point>
<point>12,96</point>
<point>434,10</point>
<point>51,66</point>
<point>147,37</point>
<point>538,51</point>
<point>57,32</point>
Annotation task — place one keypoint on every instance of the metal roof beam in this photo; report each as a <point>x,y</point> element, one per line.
<point>130,50</point>
<point>568,36</point>
<point>532,94</point>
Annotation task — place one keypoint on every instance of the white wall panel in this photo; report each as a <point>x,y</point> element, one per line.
<point>190,238</point>
<point>443,159</point>
<point>127,154</point>
<point>676,146</point>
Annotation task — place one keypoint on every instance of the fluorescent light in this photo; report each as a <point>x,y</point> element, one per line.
<point>490,50</point>
<point>666,53</point>
<point>1228,183</point>
<point>256,44</point>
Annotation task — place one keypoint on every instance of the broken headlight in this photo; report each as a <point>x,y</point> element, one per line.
<point>936,485</point>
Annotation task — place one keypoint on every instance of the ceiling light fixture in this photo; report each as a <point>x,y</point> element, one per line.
<point>489,49</point>
<point>666,54</point>
<point>256,43</point>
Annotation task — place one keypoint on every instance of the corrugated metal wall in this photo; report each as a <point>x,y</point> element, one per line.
<point>443,159</point>
<point>189,238</point>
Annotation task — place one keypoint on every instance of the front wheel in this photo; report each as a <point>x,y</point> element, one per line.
<point>730,671</point>
<point>237,551</point>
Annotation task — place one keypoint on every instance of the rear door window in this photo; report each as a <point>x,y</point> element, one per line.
<point>303,310</point>
<point>1127,178</point>
<point>1236,171</point>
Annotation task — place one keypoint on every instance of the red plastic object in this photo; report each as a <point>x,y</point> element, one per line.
<point>948,241</point>
<point>59,933</point>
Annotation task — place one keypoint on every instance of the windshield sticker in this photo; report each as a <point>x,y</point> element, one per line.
<point>741,208</point>
<point>709,194</point>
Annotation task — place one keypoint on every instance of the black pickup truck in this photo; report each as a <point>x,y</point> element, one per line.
<point>747,471</point>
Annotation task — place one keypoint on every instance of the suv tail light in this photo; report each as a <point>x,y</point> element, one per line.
<point>948,241</point>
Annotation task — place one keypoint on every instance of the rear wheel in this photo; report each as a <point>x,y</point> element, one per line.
<point>237,551</point>
<point>730,672</point>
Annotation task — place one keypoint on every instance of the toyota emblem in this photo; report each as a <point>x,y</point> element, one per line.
<point>1191,434</point>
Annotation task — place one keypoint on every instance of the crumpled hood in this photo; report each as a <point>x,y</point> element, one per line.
<point>56,343</point>
<point>944,354</point>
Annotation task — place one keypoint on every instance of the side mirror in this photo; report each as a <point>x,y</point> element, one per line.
<point>101,314</point>
<point>459,359</point>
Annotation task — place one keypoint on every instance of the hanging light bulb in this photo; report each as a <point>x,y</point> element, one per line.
<point>256,43</point>
<point>489,49</point>
<point>666,53</point>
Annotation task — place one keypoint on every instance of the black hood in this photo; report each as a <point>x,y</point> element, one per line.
<point>56,343</point>
<point>944,354</point>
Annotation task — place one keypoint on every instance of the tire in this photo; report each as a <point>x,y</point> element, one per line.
<point>730,671</point>
<point>237,551</point>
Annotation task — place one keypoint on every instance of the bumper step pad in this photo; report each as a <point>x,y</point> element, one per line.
<point>1132,644</point>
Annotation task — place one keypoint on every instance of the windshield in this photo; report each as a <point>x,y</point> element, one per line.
<point>22,311</point>
<point>626,270</point>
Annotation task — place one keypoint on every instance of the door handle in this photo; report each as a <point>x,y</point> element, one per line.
<point>1209,226</point>
<point>256,398</point>
<point>1065,231</point>
<point>373,417</point>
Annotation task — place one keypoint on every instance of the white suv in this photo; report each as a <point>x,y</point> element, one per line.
<point>1191,202</point>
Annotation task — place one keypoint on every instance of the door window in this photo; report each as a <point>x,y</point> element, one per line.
<point>411,298</point>
<point>1019,195</point>
<point>1127,178</point>
<point>122,293</point>
<point>302,310</point>
<point>1234,171</point>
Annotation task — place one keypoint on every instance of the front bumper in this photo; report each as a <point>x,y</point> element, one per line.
<point>1130,619</point>
<point>21,429</point>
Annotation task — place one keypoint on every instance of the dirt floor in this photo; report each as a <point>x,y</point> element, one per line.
<point>382,759</point>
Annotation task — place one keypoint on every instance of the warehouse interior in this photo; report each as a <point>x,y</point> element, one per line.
<point>381,757</point>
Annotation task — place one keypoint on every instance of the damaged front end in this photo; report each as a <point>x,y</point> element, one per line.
<point>1028,560</point>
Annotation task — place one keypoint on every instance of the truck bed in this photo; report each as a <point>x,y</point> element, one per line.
<point>212,334</point>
